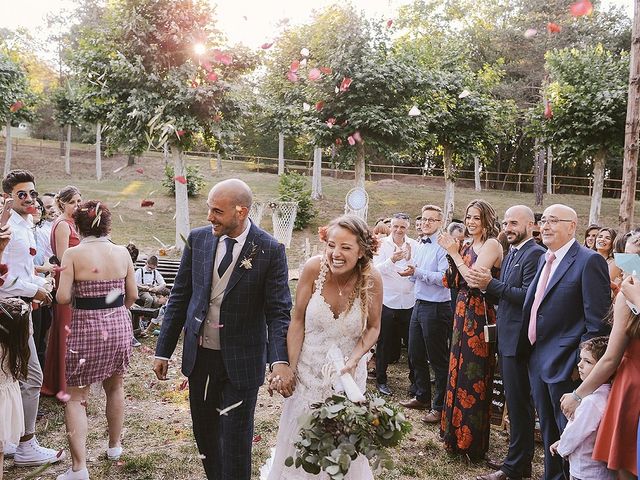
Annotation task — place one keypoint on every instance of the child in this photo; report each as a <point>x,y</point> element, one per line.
<point>579,436</point>
<point>14,358</point>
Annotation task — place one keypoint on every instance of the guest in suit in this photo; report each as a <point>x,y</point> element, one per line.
<point>518,269</point>
<point>566,304</point>
<point>232,275</point>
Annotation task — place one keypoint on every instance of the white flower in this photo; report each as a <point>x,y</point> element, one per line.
<point>246,264</point>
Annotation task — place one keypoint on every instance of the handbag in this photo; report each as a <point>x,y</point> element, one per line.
<point>490,331</point>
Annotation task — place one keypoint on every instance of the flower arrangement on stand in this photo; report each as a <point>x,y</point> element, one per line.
<point>337,430</point>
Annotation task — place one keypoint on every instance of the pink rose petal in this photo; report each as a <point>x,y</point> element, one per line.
<point>345,84</point>
<point>139,170</point>
<point>292,76</point>
<point>351,140</point>
<point>266,46</point>
<point>181,179</point>
<point>212,77</point>
<point>314,74</point>
<point>319,105</point>
<point>294,66</point>
<point>581,8</point>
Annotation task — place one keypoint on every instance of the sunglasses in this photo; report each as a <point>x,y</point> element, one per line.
<point>22,195</point>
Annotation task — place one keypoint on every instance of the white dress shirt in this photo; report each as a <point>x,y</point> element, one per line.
<point>579,437</point>
<point>397,292</point>
<point>144,276</point>
<point>21,280</point>
<point>237,247</point>
<point>560,254</point>
<point>43,239</point>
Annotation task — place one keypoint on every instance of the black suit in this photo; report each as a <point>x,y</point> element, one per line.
<point>519,269</point>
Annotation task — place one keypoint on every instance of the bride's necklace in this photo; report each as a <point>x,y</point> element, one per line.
<point>95,239</point>
<point>343,286</point>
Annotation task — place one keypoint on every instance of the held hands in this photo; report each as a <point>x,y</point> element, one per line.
<point>479,277</point>
<point>43,296</point>
<point>450,244</point>
<point>282,380</point>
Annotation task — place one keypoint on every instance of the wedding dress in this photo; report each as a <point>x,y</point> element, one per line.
<point>322,331</point>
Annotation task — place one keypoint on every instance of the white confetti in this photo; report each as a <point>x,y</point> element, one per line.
<point>306,107</point>
<point>304,52</point>
<point>116,205</point>
<point>149,213</point>
<point>464,94</point>
<point>225,411</point>
<point>530,33</point>
<point>112,296</point>
<point>119,168</point>
<point>414,112</point>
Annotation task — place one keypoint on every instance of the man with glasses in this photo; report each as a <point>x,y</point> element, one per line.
<point>393,256</point>
<point>22,282</point>
<point>431,319</point>
<point>565,305</point>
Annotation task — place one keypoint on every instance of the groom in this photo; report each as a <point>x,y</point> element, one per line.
<point>231,297</point>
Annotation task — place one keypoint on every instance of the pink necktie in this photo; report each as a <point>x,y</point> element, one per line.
<point>542,286</point>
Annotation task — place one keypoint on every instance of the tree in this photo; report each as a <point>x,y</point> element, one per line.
<point>15,100</point>
<point>160,90</point>
<point>67,115</point>
<point>588,95</point>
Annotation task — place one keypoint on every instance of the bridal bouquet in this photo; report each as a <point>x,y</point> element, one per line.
<point>337,430</point>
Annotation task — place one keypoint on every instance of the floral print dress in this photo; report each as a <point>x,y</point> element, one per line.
<point>465,419</point>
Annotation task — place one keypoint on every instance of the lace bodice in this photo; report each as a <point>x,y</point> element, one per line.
<point>322,330</point>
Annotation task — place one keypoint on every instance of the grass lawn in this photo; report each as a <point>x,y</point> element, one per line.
<point>157,437</point>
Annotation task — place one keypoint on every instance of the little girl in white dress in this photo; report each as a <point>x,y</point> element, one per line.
<point>14,357</point>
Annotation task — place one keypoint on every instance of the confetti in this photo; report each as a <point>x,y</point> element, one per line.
<point>414,112</point>
<point>147,203</point>
<point>67,329</point>
<point>306,107</point>
<point>149,213</point>
<point>553,27</point>
<point>294,66</point>
<point>104,335</point>
<point>331,122</point>
<point>120,217</point>
<point>357,137</point>
<point>212,77</point>
<point>530,33</point>
<point>292,76</point>
<point>389,23</point>
<point>202,457</point>
<point>314,74</point>
<point>345,84</point>
<point>464,93</point>
<point>184,385</point>
<point>82,361</point>
<point>16,106</point>
<point>181,179</point>
<point>159,241</point>
<point>257,438</point>
<point>226,410</point>
<point>180,133</point>
<point>206,387</point>
<point>119,168</point>
<point>338,141</point>
<point>581,8</point>
<point>304,52</point>
<point>548,112</point>
<point>118,203</point>
<point>326,70</point>
<point>266,46</point>
<point>351,140</point>
<point>319,105</point>
<point>140,170</point>
<point>112,296</point>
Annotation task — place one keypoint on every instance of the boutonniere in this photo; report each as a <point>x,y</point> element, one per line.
<point>246,261</point>
<point>32,251</point>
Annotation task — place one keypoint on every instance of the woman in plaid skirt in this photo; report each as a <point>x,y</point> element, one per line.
<point>101,277</point>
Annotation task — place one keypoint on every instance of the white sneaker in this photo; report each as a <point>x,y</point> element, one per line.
<point>114,453</point>
<point>9,449</point>
<point>71,475</point>
<point>31,454</point>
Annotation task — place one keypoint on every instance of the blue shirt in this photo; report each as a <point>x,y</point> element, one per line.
<point>431,263</point>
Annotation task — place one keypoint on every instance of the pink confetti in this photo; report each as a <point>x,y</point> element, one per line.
<point>67,329</point>
<point>82,361</point>
<point>292,76</point>
<point>181,179</point>
<point>294,66</point>
<point>220,57</point>
<point>180,133</point>
<point>345,84</point>
<point>357,137</point>
<point>319,105</point>
<point>389,23</point>
<point>147,203</point>
<point>206,65</point>
<point>63,396</point>
<point>257,438</point>
<point>266,46</point>
<point>139,170</point>
<point>338,141</point>
<point>184,384</point>
<point>217,118</point>
<point>351,140</point>
<point>59,453</point>
<point>314,74</point>
<point>530,33</point>
<point>331,122</point>
<point>326,70</point>
<point>212,77</point>
<point>553,27</point>
<point>16,106</point>
<point>581,8</point>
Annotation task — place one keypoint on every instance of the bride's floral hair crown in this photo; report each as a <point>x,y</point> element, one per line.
<point>366,240</point>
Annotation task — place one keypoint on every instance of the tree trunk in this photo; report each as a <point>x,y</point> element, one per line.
<point>67,152</point>
<point>549,171</point>
<point>218,163</point>
<point>131,160</point>
<point>360,165</point>
<point>7,153</point>
<point>281,153</point>
<point>61,136</point>
<point>632,131</point>
<point>598,186</point>
<point>182,200</point>
<point>449,185</point>
<point>476,173</point>
<point>538,173</point>
<point>165,154</point>
<point>98,152</point>
<point>316,181</point>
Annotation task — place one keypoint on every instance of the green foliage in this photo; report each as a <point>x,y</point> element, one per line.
<point>337,430</point>
<point>14,88</point>
<point>195,180</point>
<point>293,187</point>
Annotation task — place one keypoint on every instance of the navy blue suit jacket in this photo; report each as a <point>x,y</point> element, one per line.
<point>573,309</point>
<point>511,289</point>
<point>255,310</point>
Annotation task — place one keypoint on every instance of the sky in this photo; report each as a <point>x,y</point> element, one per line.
<point>252,22</point>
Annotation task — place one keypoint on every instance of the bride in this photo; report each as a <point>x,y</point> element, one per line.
<point>338,302</point>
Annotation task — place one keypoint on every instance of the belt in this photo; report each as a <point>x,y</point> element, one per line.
<point>97,303</point>
<point>429,301</point>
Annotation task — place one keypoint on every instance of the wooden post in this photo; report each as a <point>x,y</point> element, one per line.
<point>632,127</point>
<point>316,179</point>
<point>549,171</point>
<point>67,152</point>
<point>538,171</point>
<point>476,173</point>
<point>280,154</point>
<point>98,152</point>
<point>7,153</point>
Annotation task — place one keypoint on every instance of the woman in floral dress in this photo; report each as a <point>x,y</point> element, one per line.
<point>465,418</point>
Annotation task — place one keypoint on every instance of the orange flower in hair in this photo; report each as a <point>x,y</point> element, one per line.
<point>322,233</point>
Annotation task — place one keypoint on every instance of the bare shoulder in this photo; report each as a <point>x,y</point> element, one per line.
<point>62,227</point>
<point>311,268</point>
<point>492,244</point>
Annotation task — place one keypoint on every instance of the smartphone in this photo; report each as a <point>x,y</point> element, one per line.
<point>6,212</point>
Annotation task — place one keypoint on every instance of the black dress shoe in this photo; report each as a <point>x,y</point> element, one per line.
<point>384,389</point>
<point>498,466</point>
